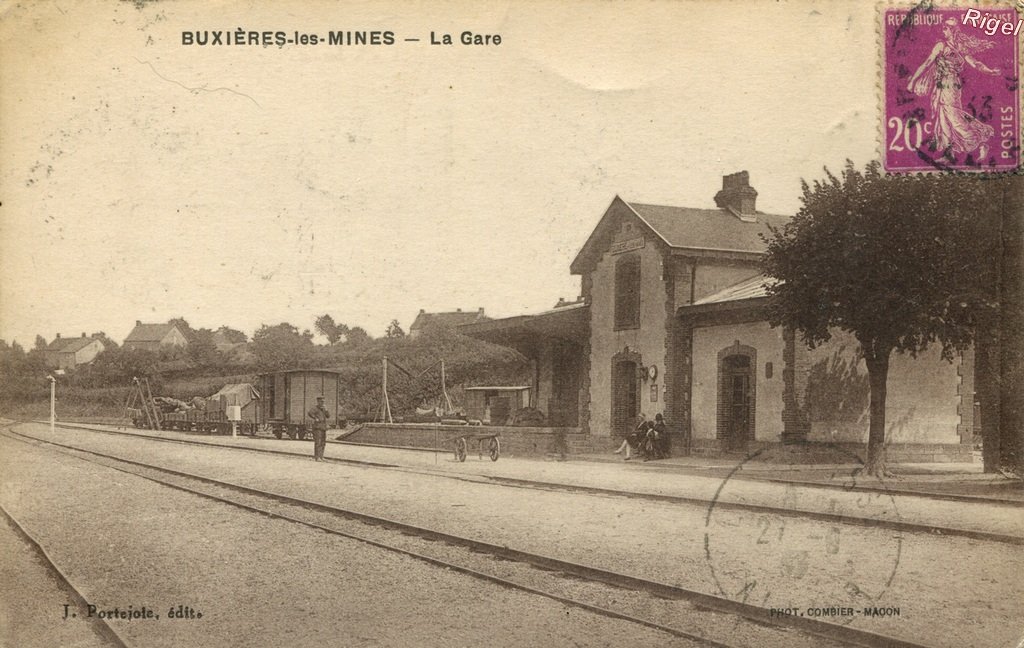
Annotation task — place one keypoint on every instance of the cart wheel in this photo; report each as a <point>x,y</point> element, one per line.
<point>460,449</point>
<point>277,433</point>
<point>494,449</point>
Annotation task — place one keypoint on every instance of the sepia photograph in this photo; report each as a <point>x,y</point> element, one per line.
<point>691,323</point>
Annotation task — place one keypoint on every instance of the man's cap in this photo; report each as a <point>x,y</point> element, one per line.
<point>319,397</point>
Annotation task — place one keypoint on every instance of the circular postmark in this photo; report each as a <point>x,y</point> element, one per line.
<point>789,549</point>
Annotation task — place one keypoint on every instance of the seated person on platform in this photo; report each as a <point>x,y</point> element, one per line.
<point>661,440</point>
<point>634,440</point>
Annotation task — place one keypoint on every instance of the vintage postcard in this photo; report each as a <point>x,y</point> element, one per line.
<point>590,323</point>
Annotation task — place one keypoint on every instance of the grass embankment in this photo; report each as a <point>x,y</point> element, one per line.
<point>107,404</point>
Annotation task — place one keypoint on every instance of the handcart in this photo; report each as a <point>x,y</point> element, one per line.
<point>460,444</point>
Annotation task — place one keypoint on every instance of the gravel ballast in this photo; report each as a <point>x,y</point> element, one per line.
<point>774,561</point>
<point>263,582</point>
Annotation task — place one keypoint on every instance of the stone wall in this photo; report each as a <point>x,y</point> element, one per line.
<point>839,453</point>
<point>515,441</point>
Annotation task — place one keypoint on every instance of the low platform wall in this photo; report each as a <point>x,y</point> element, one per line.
<point>541,441</point>
<point>824,453</point>
<point>515,441</point>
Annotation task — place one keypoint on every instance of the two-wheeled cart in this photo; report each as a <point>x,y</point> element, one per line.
<point>460,445</point>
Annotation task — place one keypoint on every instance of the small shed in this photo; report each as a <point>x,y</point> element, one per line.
<point>495,405</point>
<point>242,394</point>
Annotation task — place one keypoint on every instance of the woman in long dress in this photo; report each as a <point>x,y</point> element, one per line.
<point>954,130</point>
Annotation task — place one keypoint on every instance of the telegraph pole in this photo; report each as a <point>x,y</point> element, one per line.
<point>53,403</point>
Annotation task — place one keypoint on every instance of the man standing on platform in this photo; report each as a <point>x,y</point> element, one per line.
<point>320,416</point>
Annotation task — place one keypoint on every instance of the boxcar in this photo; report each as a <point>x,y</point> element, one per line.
<point>288,395</point>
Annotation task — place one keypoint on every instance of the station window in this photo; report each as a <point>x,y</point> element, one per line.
<point>627,292</point>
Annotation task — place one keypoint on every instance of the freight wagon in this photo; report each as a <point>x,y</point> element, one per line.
<point>215,418</point>
<point>209,415</point>
<point>289,395</point>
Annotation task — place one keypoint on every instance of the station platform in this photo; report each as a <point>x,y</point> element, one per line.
<point>966,481</point>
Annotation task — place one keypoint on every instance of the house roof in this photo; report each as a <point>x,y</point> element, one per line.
<point>75,345</point>
<point>450,319</point>
<point>570,322</point>
<point>751,288</point>
<point>58,343</point>
<point>149,332</point>
<point>63,344</point>
<point>708,230</point>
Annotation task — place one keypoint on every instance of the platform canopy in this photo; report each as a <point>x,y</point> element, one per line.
<point>568,323</point>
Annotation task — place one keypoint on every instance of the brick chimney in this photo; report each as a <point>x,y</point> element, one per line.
<point>138,322</point>
<point>83,333</point>
<point>58,336</point>
<point>738,196</point>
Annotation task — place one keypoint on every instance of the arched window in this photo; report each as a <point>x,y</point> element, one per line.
<point>627,292</point>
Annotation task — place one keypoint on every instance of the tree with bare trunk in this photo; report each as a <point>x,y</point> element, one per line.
<point>894,260</point>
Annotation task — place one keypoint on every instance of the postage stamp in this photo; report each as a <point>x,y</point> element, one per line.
<point>950,88</point>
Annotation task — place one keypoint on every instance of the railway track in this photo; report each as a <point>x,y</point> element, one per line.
<point>833,518</point>
<point>706,619</point>
<point>886,490</point>
<point>99,625</point>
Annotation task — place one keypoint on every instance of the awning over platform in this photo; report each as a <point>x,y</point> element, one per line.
<point>570,323</point>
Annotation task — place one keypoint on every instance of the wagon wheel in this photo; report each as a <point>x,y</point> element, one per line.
<point>494,448</point>
<point>277,433</point>
<point>460,449</point>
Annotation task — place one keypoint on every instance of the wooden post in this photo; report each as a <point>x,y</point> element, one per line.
<point>53,403</point>
<point>385,405</point>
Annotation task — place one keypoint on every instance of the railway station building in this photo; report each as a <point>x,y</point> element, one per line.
<point>670,321</point>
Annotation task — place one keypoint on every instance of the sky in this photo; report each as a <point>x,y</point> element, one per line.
<point>144,179</point>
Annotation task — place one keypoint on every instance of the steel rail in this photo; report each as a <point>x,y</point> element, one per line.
<point>823,629</point>
<point>819,516</point>
<point>902,492</point>
<point>100,626</point>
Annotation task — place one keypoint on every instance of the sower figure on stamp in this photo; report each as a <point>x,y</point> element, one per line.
<point>954,130</point>
<point>320,417</point>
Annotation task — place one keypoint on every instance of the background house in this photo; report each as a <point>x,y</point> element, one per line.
<point>70,352</point>
<point>450,320</point>
<point>151,337</point>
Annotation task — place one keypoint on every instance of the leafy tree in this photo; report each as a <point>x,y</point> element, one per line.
<point>40,344</point>
<point>202,351</point>
<point>334,332</point>
<point>282,346</point>
<point>233,336</point>
<point>357,336</point>
<point>884,258</point>
<point>394,330</point>
<point>116,366</point>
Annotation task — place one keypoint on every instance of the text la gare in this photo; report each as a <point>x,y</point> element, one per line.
<point>466,38</point>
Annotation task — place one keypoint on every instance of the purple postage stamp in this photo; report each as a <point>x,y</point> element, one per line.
<point>951,89</point>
